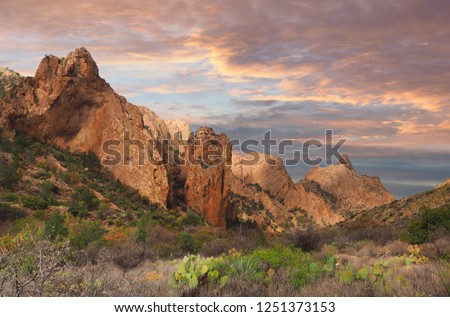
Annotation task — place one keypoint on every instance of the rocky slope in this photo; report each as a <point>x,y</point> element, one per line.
<point>327,195</point>
<point>269,175</point>
<point>69,105</point>
<point>400,212</point>
<point>353,191</point>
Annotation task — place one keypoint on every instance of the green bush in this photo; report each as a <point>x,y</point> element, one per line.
<point>48,187</point>
<point>83,201</point>
<point>78,209</point>
<point>431,224</point>
<point>87,196</point>
<point>191,219</point>
<point>5,144</point>
<point>8,212</point>
<point>84,233</point>
<point>186,243</point>
<point>142,229</point>
<point>8,175</point>
<point>34,202</point>
<point>10,197</point>
<point>300,265</point>
<point>55,227</point>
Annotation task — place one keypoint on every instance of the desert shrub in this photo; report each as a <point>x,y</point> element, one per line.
<point>431,224</point>
<point>83,201</point>
<point>191,219</point>
<point>379,235</point>
<point>87,196</point>
<point>186,243</point>
<point>161,242</point>
<point>128,257</point>
<point>300,265</point>
<point>85,232</point>
<point>9,177</point>
<point>49,187</point>
<point>204,235</point>
<point>10,197</point>
<point>142,229</point>
<point>215,247</point>
<point>8,212</point>
<point>34,202</point>
<point>78,208</point>
<point>347,274</point>
<point>31,265</point>
<point>71,178</point>
<point>55,227</point>
<point>91,161</point>
<point>307,240</point>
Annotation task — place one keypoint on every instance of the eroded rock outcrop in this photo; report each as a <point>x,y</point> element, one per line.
<point>68,104</point>
<point>353,191</point>
<point>327,195</point>
<point>269,174</point>
<point>208,178</point>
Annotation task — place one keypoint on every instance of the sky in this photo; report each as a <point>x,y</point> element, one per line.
<point>377,72</point>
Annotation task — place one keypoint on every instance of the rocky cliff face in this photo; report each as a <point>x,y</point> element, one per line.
<point>270,175</point>
<point>68,104</point>
<point>354,192</point>
<point>327,195</point>
<point>208,176</point>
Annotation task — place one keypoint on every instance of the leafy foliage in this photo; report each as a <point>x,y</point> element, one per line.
<point>55,227</point>
<point>85,232</point>
<point>9,176</point>
<point>431,224</point>
<point>191,219</point>
<point>186,243</point>
<point>8,212</point>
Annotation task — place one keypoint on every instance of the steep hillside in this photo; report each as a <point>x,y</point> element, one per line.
<point>353,192</point>
<point>326,196</point>
<point>69,105</point>
<point>400,212</point>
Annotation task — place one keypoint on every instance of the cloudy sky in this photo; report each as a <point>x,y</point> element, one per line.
<point>375,71</point>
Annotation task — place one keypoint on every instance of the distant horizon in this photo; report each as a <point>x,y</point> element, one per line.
<point>376,72</point>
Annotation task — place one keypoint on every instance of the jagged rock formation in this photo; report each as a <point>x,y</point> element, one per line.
<point>8,79</point>
<point>270,175</point>
<point>267,171</point>
<point>353,191</point>
<point>208,175</point>
<point>327,195</point>
<point>68,104</point>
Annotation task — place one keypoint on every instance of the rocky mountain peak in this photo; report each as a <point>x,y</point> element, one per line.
<point>78,63</point>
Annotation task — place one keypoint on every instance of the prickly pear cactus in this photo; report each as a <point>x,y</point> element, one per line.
<point>194,269</point>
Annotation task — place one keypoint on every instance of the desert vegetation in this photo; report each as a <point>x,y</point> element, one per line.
<point>68,228</point>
